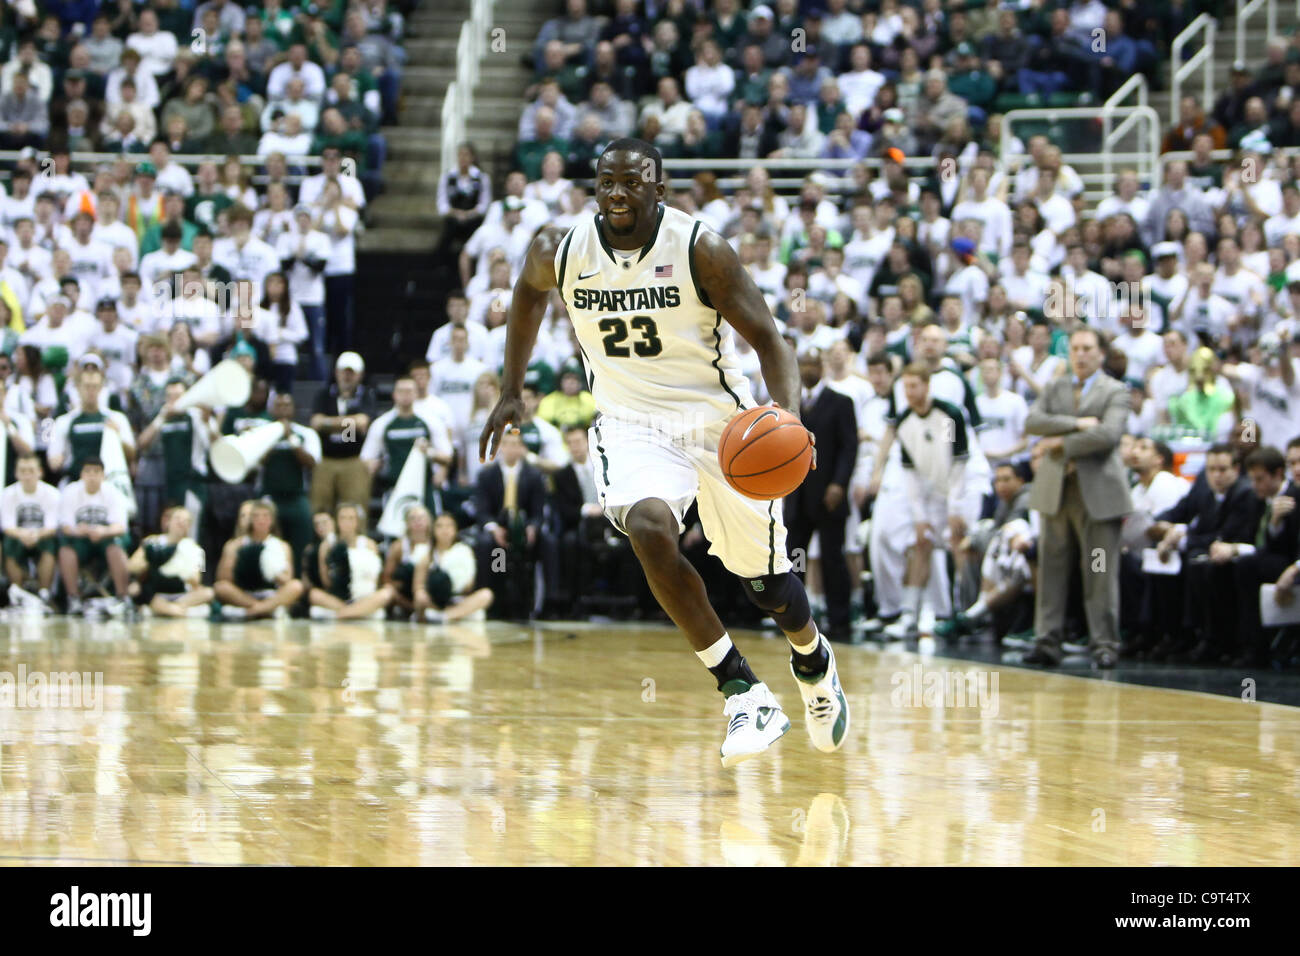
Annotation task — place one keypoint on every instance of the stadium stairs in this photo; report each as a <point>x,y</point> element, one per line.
<point>398,282</point>
<point>1256,53</point>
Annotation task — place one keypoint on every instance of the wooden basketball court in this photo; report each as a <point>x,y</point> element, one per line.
<point>369,744</point>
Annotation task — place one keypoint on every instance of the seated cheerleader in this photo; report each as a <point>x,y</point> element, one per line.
<point>349,570</point>
<point>444,578</point>
<point>168,570</point>
<point>322,525</point>
<point>399,565</point>
<point>255,577</point>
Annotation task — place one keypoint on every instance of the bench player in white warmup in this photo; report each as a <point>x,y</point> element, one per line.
<point>647,289</point>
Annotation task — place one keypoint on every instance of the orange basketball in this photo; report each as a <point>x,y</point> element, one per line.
<point>765,453</point>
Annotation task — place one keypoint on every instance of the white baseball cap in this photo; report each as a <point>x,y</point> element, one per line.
<point>351,360</point>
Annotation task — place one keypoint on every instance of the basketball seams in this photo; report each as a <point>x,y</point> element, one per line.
<point>728,457</point>
<point>754,443</point>
<point>754,474</point>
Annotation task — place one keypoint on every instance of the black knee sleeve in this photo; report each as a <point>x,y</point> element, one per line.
<point>773,591</point>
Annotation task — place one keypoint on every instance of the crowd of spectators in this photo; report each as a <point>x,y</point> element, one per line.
<point>212,78</point>
<point>131,275</point>
<point>147,265</point>
<point>810,80</point>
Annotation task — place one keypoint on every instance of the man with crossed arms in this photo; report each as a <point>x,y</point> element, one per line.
<point>1082,494</point>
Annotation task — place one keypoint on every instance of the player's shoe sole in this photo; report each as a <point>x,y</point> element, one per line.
<point>826,711</point>
<point>755,721</point>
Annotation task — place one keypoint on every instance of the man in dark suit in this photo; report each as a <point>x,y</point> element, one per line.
<point>1182,610</point>
<point>510,505</point>
<point>1270,556</point>
<point>819,504</point>
<point>1082,494</point>
<point>1286,649</point>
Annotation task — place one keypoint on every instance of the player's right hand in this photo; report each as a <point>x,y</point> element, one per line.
<point>509,410</point>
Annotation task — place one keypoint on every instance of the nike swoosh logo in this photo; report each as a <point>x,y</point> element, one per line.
<point>762,721</point>
<point>588,275</point>
<point>754,423</point>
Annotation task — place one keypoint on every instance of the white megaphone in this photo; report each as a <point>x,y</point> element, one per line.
<point>408,491</point>
<point>227,384</point>
<point>234,456</point>
<point>116,472</point>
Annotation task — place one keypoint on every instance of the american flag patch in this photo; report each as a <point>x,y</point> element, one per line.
<point>663,272</point>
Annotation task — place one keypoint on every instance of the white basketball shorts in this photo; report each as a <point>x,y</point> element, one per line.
<point>634,462</point>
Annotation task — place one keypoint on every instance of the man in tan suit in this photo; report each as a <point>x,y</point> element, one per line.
<point>1082,493</point>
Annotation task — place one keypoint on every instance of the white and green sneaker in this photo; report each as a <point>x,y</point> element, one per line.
<point>755,721</point>
<point>826,712</point>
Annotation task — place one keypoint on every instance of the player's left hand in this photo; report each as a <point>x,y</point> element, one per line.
<point>509,410</point>
<point>812,439</point>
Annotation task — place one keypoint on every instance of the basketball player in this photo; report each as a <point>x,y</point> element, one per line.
<point>647,288</point>
<point>934,441</point>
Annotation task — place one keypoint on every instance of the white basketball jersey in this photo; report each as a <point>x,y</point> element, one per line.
<point>655,349</point>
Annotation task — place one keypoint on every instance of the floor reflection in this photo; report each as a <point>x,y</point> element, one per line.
<point>363,744</point>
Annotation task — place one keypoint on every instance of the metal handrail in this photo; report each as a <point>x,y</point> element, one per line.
<point>1202,57</point>
<point>1186,155</point>
<point>1247,9</point>
<point>1137,83</point>
<point>458,102</point>
<point>825,165</point>
<point>1147,160</point>
<point>452,121</point>
<point>195,160</point>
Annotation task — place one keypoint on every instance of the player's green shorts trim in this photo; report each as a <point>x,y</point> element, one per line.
<point>87,550</point>
<point>18,551</point>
